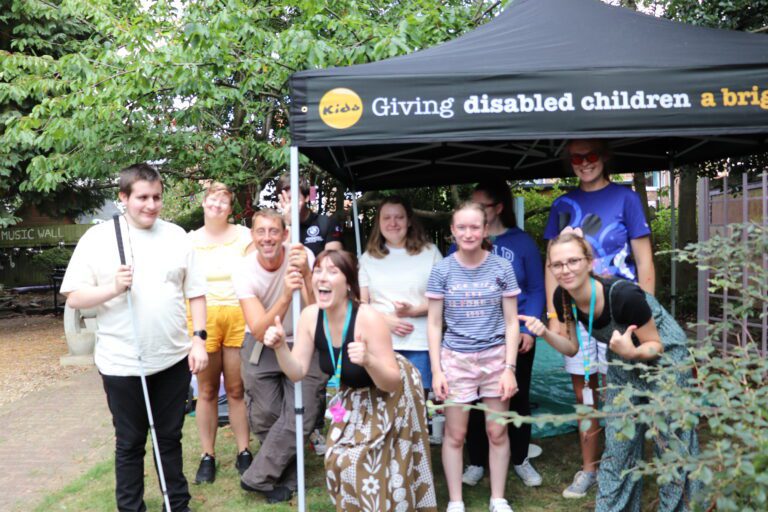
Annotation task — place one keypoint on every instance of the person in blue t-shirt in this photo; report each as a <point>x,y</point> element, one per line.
<point>611,218</point>
<point>516,246</point>
<point>475,292</point>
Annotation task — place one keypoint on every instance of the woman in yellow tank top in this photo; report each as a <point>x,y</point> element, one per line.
<point>219,246</point>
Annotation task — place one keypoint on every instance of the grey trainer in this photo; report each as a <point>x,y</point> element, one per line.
<point>583,481</point>
<point>528,474</point>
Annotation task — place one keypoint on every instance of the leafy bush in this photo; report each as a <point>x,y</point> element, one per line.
<point>50,259</point>
<point>727,396</point>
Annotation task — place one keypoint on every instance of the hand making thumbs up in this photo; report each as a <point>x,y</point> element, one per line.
<point>358,351</point>
<point>275,335</point>
<point>622,345</point>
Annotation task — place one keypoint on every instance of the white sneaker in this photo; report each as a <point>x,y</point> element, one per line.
<point>528,474</point>
<point>455,506</point>
<point>317,442</point>
<point>534,451</point>
<point>499,505</point>
<point>472,475</point>
<point>582,483</point>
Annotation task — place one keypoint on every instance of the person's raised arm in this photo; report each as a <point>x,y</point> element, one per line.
<point>259,319</point>
<point>293,362</point>
<point>372,349</point>
<point>642,253</point>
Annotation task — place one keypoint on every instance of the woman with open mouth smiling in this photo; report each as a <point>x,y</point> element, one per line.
<point>378,455</point>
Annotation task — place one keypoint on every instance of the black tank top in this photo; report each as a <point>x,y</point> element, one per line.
<point>352,375</point>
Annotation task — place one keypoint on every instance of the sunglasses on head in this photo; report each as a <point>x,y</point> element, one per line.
<point>580,158</point>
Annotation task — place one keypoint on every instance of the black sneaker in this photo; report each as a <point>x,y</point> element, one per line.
<point>206,473</point>
<point>243,461</point>
<point>278,494</point>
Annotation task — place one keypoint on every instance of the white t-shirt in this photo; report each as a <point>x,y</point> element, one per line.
<point>403,277</point>
<point>164,274</point>
<point>252,280</point>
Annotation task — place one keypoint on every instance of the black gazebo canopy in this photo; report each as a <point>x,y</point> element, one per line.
<point>500,100</point>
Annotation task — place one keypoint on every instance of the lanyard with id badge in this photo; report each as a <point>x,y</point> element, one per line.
<point>335,407</point>
<point>586,394</point>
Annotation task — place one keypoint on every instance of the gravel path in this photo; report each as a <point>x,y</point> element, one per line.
<point>30,348</point>
<point>54,421</point>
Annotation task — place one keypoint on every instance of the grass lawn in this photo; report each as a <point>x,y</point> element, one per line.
<point>94,492</point>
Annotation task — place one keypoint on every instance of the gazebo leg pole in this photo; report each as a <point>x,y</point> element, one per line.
<point>673,239</point>
<point>356,220</point>
<point>296,311</point>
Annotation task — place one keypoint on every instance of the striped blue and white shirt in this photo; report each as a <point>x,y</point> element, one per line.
<point>472,301</point>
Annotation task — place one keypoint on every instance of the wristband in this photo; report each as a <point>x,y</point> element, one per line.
<point>551,315</point>
<point>510,367</point>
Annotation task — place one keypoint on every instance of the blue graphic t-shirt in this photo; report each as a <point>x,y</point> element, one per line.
<point>472,296</point>
<point>610,218</point>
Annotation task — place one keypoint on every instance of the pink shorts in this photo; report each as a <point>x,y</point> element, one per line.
<point>473,375</point>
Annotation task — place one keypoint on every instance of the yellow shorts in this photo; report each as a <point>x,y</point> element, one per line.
<point>225,326</point>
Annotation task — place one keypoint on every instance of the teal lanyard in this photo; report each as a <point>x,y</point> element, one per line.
<point>335,381</point>
<point>582,345</point>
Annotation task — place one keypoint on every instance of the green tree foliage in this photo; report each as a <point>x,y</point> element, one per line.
<point>34,35</point>
<point>748,15</point>
<point>200,88</point>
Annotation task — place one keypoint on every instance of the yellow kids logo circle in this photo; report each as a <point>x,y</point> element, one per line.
<point>340,108</point>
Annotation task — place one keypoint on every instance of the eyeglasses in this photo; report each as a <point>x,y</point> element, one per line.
<point>580,158</point>
<point>570,263</point>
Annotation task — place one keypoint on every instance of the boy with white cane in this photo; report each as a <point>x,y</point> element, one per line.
<point>141,333</point>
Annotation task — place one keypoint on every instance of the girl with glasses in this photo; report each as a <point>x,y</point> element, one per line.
<point>611,218</point>
<point>475,293</point>
<point>637,329</point>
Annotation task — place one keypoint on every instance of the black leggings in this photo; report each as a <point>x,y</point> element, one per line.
<point>477,439</point>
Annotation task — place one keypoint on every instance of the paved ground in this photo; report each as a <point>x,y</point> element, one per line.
<point>50,437</point>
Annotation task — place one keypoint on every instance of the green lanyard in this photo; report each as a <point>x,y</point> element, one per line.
<point>582,346</point>
<point>335,381</point>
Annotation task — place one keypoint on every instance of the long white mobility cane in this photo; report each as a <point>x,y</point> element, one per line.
<point>142,375</point>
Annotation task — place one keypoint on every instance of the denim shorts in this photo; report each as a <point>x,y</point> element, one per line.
<point>420,359</point>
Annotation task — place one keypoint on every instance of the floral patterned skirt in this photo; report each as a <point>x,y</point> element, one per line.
<point>378,457</point>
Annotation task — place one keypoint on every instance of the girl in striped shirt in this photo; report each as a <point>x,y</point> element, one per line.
<point>474,292</point>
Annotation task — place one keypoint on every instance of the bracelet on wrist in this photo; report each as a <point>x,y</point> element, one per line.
<point>510,367</point>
